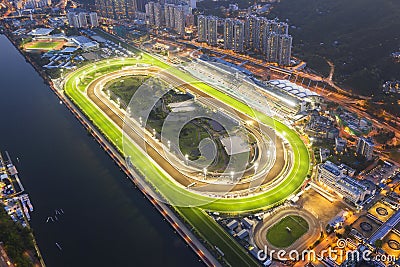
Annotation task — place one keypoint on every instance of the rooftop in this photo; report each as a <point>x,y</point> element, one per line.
<point>41,31</point>
<point>235,145</point>
<point>293,88</point>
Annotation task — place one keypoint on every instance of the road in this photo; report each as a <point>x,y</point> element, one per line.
<point>341,97</point>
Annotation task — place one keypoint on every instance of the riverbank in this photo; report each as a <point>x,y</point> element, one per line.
<point>15,230</point>
<point>63,167</point>
<point>169,215</point>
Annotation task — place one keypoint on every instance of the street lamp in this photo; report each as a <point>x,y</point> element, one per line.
<point>205,173</point>
<point>255,167</point>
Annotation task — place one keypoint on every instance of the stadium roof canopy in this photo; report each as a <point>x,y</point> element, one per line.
<point>293,88</point>
<point>41,31</point>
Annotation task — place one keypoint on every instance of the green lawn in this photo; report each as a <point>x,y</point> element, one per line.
<point>279,234</point>
<point>125,87</point>
<point>42,45</point>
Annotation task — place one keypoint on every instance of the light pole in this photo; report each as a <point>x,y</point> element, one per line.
<point>108,93</point>
<point>154,133</point>
<point>232,175</point>
<point>141,121</point>
<point>187,159</point>
<point>205,173</point>
<point>169,145</point>
<point>255,167</point>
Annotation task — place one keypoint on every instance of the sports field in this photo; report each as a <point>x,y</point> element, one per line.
<point>204,225</point>
<point>287,231</point>
<point>44,45</point>
<point>156,177</point>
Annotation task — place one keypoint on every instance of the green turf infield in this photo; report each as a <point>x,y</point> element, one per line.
<point>285,232</point>
<point>155,176</point>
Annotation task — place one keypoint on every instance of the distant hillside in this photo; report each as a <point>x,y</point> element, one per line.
<point>357,35</point>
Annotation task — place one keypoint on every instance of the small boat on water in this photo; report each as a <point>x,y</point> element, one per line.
<point>58,245</point>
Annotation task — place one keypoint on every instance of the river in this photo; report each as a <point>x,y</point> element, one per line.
<point>106,221</point>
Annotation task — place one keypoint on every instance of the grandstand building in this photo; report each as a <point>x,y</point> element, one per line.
<point>348,188</point>
<point>297,96</point>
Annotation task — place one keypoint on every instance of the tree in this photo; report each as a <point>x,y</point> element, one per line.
<point>378,243</point>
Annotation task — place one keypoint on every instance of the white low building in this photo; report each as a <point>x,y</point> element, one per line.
<point>349,188</point>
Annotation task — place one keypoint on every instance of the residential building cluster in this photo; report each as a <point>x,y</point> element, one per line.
<point>173,16</point>
<point>83,19</point>
<point>119,9</point>
<point>321,127</point>
<point>141,9</point>
<point>258,34</point>
<point>31,4</point>
<point>391,86</point>
<point>365,148</point>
